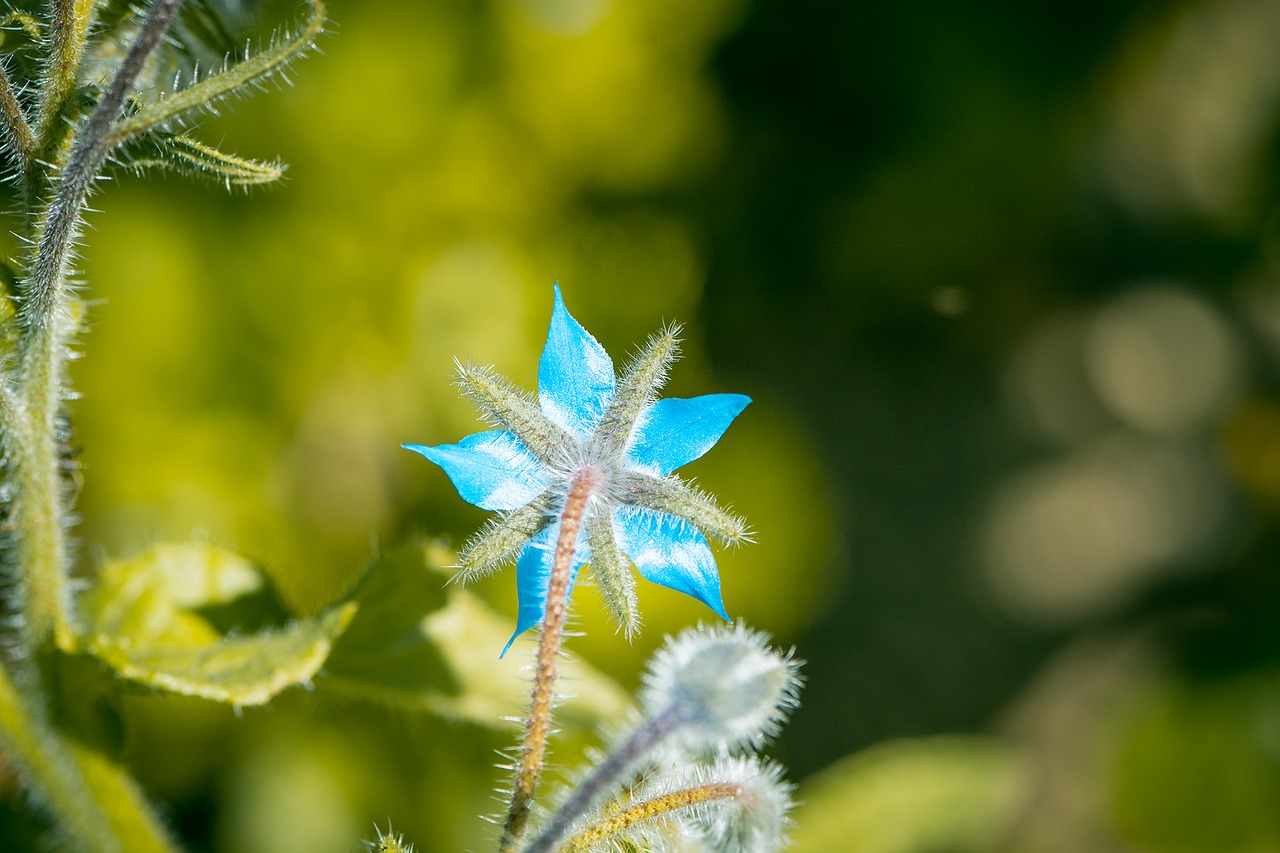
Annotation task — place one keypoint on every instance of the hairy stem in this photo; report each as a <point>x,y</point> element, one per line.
<point>46,325</point>
<point>50,770</point>
<point>605,775</point>
<point>68,27</point>
<point>19,132</point>
<point>236,78</point>
<point>652,809</point>
<point>538,725</point>
<point>48,276</point>
<point>69,23</point>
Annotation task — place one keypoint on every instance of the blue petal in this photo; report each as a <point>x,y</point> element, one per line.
<point>492,470</point>
<point>674,432</point>
<point>670,552</point>
<point>533,577</point>
<point>575,374</point>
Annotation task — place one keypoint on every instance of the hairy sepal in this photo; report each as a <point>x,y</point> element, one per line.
<point>506,406</point>
<point>675,497</point>
<point>613,575</point>
<point>503,538</point>
<point>639,385</point>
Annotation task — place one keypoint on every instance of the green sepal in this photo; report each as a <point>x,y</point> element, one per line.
<point>142,619</point>
<point>190,157</point>
<point>421,644</point>
<point>502,539</point>
<point>675,497</point>
<point>506,406</point>
<point>638,386</point>
<point>613,575</point>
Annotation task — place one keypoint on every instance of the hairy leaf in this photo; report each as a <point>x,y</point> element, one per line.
<point>190,157</point>
<point>248,670</point>
<point>142,619</point>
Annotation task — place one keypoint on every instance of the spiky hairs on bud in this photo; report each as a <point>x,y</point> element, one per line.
<point>728,687</point>
<point>388,842</point>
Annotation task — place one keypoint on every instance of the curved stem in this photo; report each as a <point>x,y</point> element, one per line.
<point>538,725</point>
<point>605,776</point>
<point>94,143</point>
<point>16,128</point>
<point>44,760</point>
<point>652,809</point>
<point>209,90</point>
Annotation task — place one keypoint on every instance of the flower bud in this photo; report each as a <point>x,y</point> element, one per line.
<point>727,688</point>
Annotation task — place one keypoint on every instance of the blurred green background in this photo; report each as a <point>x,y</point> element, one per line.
<point>1002,279</point>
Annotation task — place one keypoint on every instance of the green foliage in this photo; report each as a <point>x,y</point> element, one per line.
<point>1197,768</point>
<point>947,793</point>
<point>141,619</point>
<point>419,645</point>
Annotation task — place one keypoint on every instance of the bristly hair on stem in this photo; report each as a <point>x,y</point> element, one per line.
<point>538,723</point>
<point>60,124</point>
<point>251,70</point>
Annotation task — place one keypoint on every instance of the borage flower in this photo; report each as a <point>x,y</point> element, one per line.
<point>618,442</point>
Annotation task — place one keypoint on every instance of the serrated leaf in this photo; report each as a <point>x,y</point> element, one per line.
<point>419,644</point>
<point>146,598</point>
<point>142,619</point>
<point>247,670</point>
<point>190,157</point>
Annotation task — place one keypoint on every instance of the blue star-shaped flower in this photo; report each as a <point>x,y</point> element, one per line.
<point>584,418</point>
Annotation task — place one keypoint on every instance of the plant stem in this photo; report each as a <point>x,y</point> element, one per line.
<point>651,809</point>
<point>538,725</point>
<point>605,775</point>
<point>21,137</point>
<point>48,769</point>
<point>46,326</point>
<point>67,28</point>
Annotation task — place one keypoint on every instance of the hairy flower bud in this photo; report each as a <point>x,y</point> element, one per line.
<point>724,684</point>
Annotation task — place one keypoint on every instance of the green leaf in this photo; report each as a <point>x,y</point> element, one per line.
<point>190,157</point>
<point>420,644</point>
<point>142,620</point>
<point>917,796</point>
<point>248,670</point>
